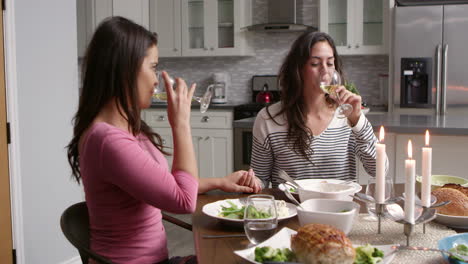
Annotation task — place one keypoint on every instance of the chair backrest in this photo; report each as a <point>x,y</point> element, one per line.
<point>75,226</point>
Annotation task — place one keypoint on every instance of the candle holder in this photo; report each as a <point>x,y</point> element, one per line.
<point>427,215</point>
<point>433,206</point>
<point>379,207</point>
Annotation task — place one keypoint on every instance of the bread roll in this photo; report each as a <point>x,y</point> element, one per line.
<point>322,244</point>
<point>458,205</point>
<point>455,186</point>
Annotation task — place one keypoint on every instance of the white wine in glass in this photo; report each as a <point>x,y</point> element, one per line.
<point>204,100</point>
<point>329,82</point>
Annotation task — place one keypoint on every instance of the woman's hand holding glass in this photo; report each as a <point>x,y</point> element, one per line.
<point>178,100</point>
<point>331,83</point>
<point>161,95</point>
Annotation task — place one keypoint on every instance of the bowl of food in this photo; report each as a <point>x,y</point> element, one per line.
<point>313,189</point>
<point>457,243</point>
<point>338,213</point>
<point>438,181</point>
<point>454,214</point>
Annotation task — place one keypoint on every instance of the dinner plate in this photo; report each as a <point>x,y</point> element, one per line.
<point>213,210</point>
<point>282,239</point>
<point>453,241</point>
<point>452,220</point>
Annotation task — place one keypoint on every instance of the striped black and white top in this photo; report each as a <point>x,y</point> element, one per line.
<point>333,155</point>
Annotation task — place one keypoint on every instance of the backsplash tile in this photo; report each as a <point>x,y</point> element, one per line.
<point>270,50</point>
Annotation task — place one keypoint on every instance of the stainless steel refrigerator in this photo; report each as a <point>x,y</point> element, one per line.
<point>430,58</point>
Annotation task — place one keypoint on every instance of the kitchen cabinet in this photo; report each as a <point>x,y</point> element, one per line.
<point>211,135</point>
<point>194,28</point>
<point>358,27</point>
<point>389,141</point>
<point>448,154</point>
<point>91,12</point>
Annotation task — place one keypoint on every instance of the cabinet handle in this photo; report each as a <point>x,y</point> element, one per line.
<point>357,46</point>
<point>175,49</point>
<point>161,118</point>
<point>349,46</point>
<point>205,48</point>
<point>211,48</point>
<point>164,142</point>
<point>205,119</point>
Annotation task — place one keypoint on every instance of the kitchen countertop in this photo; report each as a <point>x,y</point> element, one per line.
<point>226,106</point>
<point>404,123</point>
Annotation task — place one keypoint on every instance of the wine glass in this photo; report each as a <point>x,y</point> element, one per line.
<point>161,95</point>
<point>260,217</point>
<point>370,190</point>
<point>329,82</point>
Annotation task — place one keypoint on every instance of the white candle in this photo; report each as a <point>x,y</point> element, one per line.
<point>426,173</point>
<point>410,171</point>
<point>380,171</point>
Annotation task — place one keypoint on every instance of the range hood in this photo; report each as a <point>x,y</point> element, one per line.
<point>281,18</point>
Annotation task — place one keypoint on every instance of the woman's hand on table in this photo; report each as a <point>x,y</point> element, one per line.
<point>241,181</point>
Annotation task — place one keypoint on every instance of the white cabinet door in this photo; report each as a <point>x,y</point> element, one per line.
<point>212,138</point>
<point>214,152</point>
<point>213,27</point>
<point>448,154</point>
<point>358,27</point>
<point>165,20</point>
<point>92,12</point>
<point>135,10</point>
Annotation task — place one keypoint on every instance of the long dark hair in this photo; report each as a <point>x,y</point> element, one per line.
<point>109,71</point>
<point>291,82</point>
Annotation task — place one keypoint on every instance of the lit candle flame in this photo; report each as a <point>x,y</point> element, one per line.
<point>410,149</point>
<point>381,134</point>
<point>427,138</point>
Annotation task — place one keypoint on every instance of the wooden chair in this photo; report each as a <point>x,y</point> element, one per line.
<point>75,226</point>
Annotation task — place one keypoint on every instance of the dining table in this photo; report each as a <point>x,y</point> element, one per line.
<point>221,249</point>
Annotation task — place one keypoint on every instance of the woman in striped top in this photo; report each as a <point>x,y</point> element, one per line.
<point>301,134</point>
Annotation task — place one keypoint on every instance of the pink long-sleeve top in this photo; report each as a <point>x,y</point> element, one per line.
<point>127,183</point>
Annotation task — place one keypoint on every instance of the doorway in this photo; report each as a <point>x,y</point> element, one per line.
<point>6,243</point>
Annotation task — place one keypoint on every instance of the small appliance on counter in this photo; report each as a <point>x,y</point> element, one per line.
<point>221,81</point>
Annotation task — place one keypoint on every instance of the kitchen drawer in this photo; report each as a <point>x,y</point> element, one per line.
<point>211,119</point>
<point>156,118</point>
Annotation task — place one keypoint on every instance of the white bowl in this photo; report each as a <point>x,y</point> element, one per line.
<point>327,211</point>
<point>438,181</point>
<point>326,190</point>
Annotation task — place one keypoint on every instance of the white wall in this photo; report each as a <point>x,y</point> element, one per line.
<point>47,95</point>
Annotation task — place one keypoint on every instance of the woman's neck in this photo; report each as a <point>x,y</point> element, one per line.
<point>316,102</point>
<point>110,114</point>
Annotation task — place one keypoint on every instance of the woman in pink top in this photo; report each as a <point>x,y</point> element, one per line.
<point>120,160</point>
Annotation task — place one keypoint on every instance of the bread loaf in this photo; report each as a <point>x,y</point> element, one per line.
<point>322,244</point>
<point>455,186</point>
<point>458,205</point>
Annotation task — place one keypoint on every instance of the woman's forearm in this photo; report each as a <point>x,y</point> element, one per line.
<point>184,155</point>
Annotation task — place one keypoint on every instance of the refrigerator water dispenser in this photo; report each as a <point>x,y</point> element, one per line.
<point>416,80</point>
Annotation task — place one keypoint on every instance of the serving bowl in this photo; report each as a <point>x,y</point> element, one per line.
<point>449,242</point>
<point>316,189</point>
<point>338,213</point>
<point>438,181</point>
